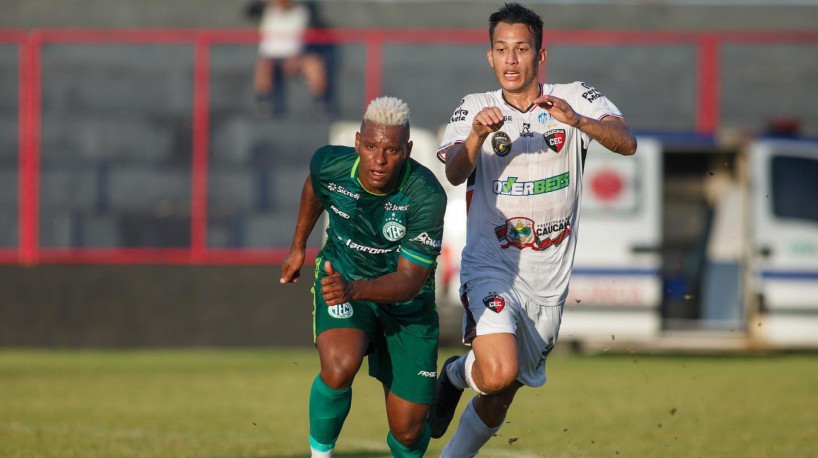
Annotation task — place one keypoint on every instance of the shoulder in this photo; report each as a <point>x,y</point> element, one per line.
<point>332,156</point>
<point>482,99</point>
<point>568,89</point>
<point>423,184</point>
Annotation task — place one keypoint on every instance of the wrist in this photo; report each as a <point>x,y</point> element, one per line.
<point>352,289</point>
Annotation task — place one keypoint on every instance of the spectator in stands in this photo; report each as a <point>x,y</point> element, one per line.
<point>282,51</point>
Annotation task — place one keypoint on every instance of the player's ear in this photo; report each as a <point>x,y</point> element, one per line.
<point>488,56</point>
<point>542,56</point>
<point>408,148</point>
<point>357,142</point>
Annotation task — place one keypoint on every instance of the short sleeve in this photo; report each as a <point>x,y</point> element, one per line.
<point>459,124</point>
<point>588,101</point>
<point>424,232</point>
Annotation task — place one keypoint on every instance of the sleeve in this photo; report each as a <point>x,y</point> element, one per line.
<point>318,169</point>
<point>424,232</point>
<point>459,125</point>
<point>588,101</point>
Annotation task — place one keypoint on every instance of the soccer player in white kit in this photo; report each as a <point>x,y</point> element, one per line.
<point>522,149</point>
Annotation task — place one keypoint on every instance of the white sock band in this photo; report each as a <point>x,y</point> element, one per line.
<point>469,364</point>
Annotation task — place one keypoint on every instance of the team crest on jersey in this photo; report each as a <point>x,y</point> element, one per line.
<point>494,302</point>
<point>393,230</point>
<point>522,233</point>
<point>555,138</point>
<point>340,311</point>
<point>501,143</point>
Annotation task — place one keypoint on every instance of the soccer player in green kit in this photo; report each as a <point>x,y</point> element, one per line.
<point>374,277</point>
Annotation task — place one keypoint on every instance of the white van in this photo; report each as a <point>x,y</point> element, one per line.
<point>616,285</point>
<point>782,282</point>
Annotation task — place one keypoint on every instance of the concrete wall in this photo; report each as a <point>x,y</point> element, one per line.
<point>156,306</point>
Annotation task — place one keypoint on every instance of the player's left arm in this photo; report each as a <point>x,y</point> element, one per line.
<point>399,286</point>
<point>612,132</point>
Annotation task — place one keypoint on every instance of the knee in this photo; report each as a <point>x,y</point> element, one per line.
<point>496,376</point>
<point>340,372</point>
<point>408,434</point>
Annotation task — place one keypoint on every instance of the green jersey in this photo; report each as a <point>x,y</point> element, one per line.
<point>368,232</point>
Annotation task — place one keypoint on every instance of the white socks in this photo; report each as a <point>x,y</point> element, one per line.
<point>470,436</point>
<point>317,454</point>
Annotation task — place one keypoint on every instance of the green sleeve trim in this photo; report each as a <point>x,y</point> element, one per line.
<point>416,258</point>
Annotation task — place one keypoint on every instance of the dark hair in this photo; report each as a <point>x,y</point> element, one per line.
<point>514,13</point>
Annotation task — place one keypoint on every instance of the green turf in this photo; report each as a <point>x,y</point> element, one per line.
<point>253,403</point>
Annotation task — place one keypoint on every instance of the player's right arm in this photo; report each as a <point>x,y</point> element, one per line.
<point>461,158</point>
<point>308,212</point>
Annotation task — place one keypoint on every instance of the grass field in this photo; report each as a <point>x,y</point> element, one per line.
<point>253,403</point>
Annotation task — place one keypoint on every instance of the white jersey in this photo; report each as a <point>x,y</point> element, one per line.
<point>282,31</point>
<point>524,195</point>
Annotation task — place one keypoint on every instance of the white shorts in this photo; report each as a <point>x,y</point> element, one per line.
<point>494,307</point>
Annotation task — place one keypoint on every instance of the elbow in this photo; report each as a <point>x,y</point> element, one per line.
<point>629,147</point>
<point>453,177</point>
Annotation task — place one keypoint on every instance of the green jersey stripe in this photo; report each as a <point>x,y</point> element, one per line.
<point>416,257</point>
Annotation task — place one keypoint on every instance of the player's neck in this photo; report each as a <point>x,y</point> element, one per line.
<point>522,99</point>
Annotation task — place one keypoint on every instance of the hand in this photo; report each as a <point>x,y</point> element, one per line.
<point>486,121</point>
<point>334,288</point>
<point>291,269</point>
<point>559,109</point>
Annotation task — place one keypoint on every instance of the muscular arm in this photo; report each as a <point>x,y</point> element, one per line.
<point>308,212</point>
<point>399,286</point>
<point>611,132</point>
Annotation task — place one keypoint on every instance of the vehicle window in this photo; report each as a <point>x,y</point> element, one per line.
<point>795,187</point>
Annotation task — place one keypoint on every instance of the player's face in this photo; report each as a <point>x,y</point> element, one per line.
<point>514,58</point>
<point>383,150</point>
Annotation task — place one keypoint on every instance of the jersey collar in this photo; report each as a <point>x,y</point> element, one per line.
<point>354,173</point>
<point>530,107</point>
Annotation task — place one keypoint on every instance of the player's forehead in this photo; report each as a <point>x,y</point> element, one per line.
<point>506,33</point>
<point>374,132</point>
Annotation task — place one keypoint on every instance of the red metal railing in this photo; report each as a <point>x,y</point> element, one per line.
<point>707,43</point>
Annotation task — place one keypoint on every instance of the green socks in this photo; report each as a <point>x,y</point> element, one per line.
<point>416,450</point>
<point>328,410</point>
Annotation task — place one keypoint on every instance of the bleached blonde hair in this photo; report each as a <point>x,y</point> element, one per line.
<point>389,111</point>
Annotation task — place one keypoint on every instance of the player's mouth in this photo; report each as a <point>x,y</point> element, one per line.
<point>378,175</point>
<point>511,76</point>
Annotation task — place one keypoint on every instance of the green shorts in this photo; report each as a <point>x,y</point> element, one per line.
<point>403,349</point>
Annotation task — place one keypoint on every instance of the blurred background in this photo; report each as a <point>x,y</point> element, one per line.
<point>149,180</point>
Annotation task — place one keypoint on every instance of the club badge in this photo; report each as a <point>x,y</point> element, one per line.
<point>555,138</point>
<point>494,302</point>
<point>501,143</point>
<point>393,230</point>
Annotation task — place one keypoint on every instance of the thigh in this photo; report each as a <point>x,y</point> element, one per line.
<point>405,356</point>
<point>538,330</point>
<point>349,315</point>
<point>491,307</point>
